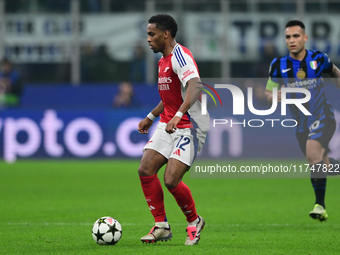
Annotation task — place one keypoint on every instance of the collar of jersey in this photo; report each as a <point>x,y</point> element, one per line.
<point>292,59</point>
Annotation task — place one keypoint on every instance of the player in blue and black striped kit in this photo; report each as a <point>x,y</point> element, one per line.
<point>303,68</point>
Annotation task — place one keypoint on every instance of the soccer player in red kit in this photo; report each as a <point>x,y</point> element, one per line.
<point>180,133</point>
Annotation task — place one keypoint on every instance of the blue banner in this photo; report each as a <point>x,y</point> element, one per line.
<point>87,131</point>
<point>113,134</point>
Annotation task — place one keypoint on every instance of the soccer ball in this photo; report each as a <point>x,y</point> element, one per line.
<point>107,231</point>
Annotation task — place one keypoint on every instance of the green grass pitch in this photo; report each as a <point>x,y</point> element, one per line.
<point>48,207</point>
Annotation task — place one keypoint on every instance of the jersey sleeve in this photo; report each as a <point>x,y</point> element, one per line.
<point>327,64</point>
<point>183,65</point>
<point>273,70</point>
<point>273,76</point>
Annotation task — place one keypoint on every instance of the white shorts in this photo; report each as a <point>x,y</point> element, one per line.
<point>183,144</point>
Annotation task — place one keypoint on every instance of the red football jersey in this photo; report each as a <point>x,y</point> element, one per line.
<point>174,71</point>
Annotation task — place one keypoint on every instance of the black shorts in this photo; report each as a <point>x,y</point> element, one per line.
<point>321,131</point>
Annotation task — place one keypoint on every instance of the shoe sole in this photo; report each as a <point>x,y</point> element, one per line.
<point>317,216</point>
<point>161,239</point>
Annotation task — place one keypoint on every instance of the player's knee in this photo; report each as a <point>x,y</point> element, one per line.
<point>170,182</point>
<point>144,170</point>
<point>313,158</point>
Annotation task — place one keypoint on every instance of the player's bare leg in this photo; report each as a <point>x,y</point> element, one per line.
<point>318,162</point>
<point>314,152</point>
<point>174,173</point>
<point>151,162</point>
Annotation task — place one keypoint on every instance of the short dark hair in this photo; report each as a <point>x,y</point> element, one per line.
<point>293,23</point>
<point>165,22</point>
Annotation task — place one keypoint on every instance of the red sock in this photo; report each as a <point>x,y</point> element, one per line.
<point>185,201</point>
<point>154,196</point>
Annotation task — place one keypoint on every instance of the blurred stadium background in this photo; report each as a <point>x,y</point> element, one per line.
<point>88,76</point>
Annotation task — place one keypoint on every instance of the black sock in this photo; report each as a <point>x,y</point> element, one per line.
<point>334,167</point>
<point>319,180</point>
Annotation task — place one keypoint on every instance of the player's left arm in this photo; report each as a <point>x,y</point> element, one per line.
<point>335,73</point>
<point>191,96</point>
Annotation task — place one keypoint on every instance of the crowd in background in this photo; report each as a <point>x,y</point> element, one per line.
<point>99,65</point>
<point>95,6</point>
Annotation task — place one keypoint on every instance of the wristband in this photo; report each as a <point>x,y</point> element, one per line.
<point>151,116</point>
<point>179,114</point>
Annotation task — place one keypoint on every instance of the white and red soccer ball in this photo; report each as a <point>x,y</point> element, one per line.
<point>107,231</point>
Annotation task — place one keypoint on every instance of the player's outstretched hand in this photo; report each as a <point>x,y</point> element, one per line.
<point>144,125</point>
<point>172,125</point>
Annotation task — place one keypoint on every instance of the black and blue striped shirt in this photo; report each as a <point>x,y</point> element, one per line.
<point>304,74</point>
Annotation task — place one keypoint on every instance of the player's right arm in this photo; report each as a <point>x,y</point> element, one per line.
<point>145,124</point>
<point>336,74</point>
<point>331,68</point>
